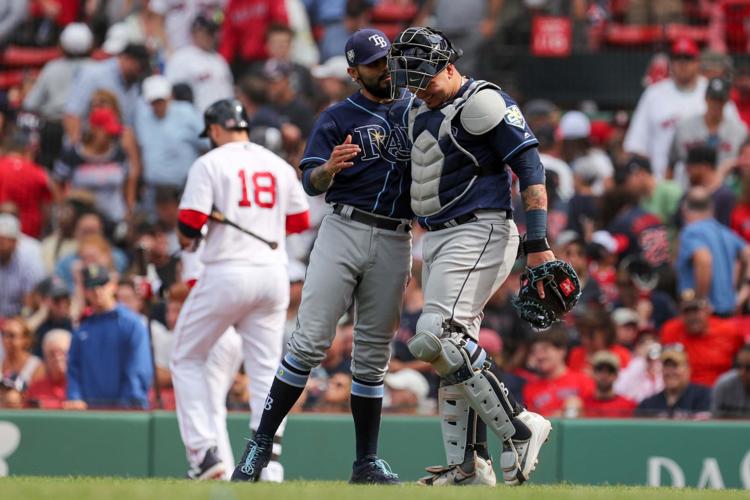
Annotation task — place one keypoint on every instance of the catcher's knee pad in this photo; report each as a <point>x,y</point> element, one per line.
<point>489,399</point>
<point>452,356</point>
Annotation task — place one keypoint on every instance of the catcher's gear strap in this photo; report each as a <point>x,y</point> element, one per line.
<point>561,289</point>
<point>488,399</point>
<point>483,111</point>
<point>453,356</point>
<point>454,413</point>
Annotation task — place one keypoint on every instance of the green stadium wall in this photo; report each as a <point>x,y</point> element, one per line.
<point>636,452</point>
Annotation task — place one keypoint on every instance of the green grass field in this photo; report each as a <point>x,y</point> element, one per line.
<point>30,488</point>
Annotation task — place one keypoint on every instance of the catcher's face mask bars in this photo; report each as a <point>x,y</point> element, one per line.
<point>416,57</point>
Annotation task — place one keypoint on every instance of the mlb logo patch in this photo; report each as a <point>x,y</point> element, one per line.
<point>350,55</point>
<point>567,287</point>
<point>514,117</point>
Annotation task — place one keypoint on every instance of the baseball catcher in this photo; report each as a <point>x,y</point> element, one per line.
<point>465,134</point>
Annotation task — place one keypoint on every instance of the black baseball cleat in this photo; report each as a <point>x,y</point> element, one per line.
<point>210,468</point>
<point>373,470</point>
<point>256,457</point>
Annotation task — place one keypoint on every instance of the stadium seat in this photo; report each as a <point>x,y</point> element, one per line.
<point>392,12</point>
<point>28,56</point>
<point>698,33</point>
<point>633,35</point>
<point>15,77</point>
<point>391,30</point>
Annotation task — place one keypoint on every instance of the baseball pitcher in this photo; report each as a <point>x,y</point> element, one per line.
<point>358,155</point>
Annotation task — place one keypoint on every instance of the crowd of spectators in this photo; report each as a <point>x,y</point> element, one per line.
<point>651,205</point>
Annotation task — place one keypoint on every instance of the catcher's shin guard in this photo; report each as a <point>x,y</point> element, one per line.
<point>461,362</point>
<point>489,400</point>
<point>455,424</point>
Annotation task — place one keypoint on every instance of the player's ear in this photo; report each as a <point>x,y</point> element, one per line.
<point>353,73</point>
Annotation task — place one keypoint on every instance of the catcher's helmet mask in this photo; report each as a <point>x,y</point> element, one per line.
<point>417,55</point>
<point>229,113</point>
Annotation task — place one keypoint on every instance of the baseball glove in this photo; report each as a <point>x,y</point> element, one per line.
<point>561,292</point>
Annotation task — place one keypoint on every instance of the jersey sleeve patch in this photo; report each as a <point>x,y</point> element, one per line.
<point>514,117</point>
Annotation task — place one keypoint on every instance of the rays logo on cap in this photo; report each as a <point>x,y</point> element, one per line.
<point>379,41</point>
<point>350,55</point>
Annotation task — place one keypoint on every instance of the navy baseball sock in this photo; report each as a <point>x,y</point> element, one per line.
<point>367,405</point>
<point>286,389</point>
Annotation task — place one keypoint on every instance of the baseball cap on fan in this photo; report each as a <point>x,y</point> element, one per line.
<point>156,87</point>
<point>366,46</point>
<point>684,48</point>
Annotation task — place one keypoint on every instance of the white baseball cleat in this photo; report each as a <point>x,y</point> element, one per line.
<point>519,458</point>
<point>474,472</point>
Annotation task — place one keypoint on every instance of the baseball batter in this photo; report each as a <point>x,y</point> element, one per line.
<point>464,133</point>
<point>245,282</point>
<point>358,155</point>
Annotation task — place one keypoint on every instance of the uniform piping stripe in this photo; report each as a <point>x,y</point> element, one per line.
<point>524,143</point>
<point>385,185</point>
<point>388,127</point>
<point>367,391</point>
<point>463,285</point>
<point>293,363</point>
<point>291,378</point>
<point>303,160</point>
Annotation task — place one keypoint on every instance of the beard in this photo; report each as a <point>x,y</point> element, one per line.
<point>377,88</point>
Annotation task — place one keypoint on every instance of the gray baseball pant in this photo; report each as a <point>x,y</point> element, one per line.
<point>465,265</point>
<point>352,261</point>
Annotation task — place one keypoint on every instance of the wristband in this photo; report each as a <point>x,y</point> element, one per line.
<point>534,246</point>
<point>536,224</point>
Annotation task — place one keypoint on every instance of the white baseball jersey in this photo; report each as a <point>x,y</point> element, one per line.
<point>655,119</point>
<point>207,73</point>
<point>179,16</point>
<point>252,187</point>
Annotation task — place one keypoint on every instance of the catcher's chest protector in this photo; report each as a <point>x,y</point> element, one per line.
<point>442,169</point>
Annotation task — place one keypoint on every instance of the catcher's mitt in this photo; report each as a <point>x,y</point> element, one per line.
<point>561,292</point>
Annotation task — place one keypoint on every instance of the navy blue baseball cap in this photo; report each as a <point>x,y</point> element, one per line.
<point>366,46</point>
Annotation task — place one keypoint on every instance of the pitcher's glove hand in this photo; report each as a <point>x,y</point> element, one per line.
<point>561,292</point>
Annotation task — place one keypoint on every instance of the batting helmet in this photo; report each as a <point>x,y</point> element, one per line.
<point>417,55</point>
<point>229,113</point>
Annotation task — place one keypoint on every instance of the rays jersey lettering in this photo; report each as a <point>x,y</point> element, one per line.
<point>378,182</point>
<point>377,142</point>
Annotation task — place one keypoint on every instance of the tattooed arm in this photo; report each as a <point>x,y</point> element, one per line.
<point>320,178</point>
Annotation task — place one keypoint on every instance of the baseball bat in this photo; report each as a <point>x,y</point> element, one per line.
<point>219,217</point>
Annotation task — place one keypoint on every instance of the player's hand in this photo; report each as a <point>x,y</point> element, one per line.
<point>342,155</point>
<point>537,258</point>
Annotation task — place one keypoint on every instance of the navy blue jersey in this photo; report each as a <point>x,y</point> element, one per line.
<point>378,182</point>
<point>493,150</point>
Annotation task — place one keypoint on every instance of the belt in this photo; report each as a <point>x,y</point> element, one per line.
<point>461,219</point>
<point>373,220</point>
